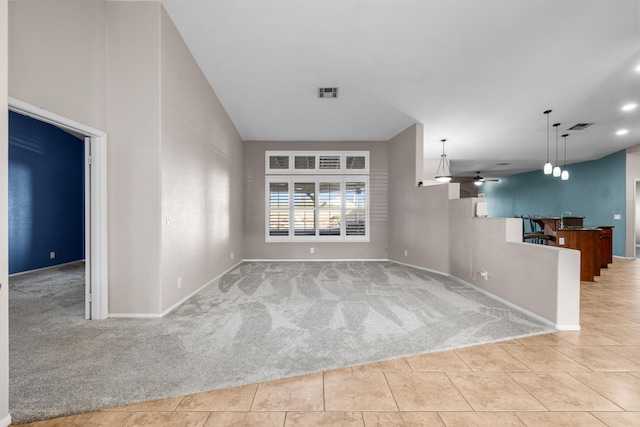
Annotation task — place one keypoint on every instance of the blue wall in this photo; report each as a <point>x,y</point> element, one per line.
<point>46,195</point>
<point>595,190</point>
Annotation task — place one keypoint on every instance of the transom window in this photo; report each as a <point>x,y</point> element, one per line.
<point>317,162</point>
<point>317,208</point>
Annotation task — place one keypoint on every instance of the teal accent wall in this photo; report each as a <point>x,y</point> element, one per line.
<point>595,190</point>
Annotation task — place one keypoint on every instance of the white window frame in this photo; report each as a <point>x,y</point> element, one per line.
<point>317,171</point>
<point>291,180</point>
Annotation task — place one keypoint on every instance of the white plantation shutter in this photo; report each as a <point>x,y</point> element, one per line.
<point>316,162</point>
<point>329,162</point>
<point>317,196</point>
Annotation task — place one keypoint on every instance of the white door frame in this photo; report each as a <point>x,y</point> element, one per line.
<point>96,299</point>
<point>635,213</point>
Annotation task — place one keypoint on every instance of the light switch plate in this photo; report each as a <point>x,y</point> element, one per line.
<point>617,216</point>
<point>561,240</point>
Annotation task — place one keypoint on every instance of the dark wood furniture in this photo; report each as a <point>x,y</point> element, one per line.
<point>587,241</point>
<point>595,243</point>
<point>550,225</point>
<point>606,245</point>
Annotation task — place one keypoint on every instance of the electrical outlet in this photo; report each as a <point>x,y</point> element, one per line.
<point>406,253</point>
<point>561,241</point>
<point>617,216</point>
<point>232,256</point>
<point>179,282</point>
<point>485,275</point>
<point>52,255</point>
<point>312,250</point>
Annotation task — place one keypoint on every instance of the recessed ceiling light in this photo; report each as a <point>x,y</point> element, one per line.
<point>622,132</point>
<point>629,107</point>
<point>638,68</point>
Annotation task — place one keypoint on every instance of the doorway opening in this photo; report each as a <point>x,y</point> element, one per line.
<point>95,216</point>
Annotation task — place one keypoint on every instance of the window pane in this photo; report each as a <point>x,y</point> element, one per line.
<point>305,162</point>
<point>329,162</point>
<point>305,224</point>
<point>304,194</point>
<point>279,223</point>
<point>329,222</point>
<point>355,162</point>
<point>329,195</point>
<point>278,195</point>
<point>278,162</point>
<point>355,196</point>
<point>356,222</point>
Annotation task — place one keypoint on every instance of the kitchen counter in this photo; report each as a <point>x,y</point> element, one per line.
<point>593,241</point>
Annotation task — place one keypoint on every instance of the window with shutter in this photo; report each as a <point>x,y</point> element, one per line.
<point>331,205</point>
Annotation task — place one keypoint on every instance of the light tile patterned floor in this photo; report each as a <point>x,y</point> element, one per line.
<point>586,378</point>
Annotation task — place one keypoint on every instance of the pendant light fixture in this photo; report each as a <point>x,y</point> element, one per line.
<point>565,173</point>
<point>547,166</point>
<point>443,173</point>
<point>556,170</point>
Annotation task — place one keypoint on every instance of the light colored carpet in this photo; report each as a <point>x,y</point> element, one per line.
<point>261,321</point>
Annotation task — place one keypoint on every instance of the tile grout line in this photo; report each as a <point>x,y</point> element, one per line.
<point>446,373</point>
<point>384,373</point>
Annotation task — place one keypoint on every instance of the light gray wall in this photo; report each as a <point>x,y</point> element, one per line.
<point>637,218</point>
<point>121,67</point>
<point>133,127</point>
<point>4,225</point>
<point>201,164</point>
<point>57,57</point>
<point>544,280</point>
<point>632,173</point>
<point>254,227</point>
<point>418,216</point>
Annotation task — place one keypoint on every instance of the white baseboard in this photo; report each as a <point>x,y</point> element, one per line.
<point>6,421</point>
<point>174,306</point>
<point>45,268</point>
<point>183,300</point>
<point>134,316</point>
<point>568,327</point>
<point>430,270</point>
<point>515,306</point>
<point>317,260</point>
<point>502,300</point>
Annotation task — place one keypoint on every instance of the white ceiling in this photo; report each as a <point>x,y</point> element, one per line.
<point>478,73</point>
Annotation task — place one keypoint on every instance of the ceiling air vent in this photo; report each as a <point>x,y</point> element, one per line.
<point>580,126</point>
<point>327,92</point>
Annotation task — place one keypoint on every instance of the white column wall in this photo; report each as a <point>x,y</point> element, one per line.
<point>5,418</point>
<point>118,67</point>
<point>418,216</point>
<point>544,280</point>
<point>201,176</point>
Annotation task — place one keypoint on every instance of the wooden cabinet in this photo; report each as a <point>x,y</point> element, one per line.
<point>587,241</point>
<point>594,242</point>
<point>606,245</point>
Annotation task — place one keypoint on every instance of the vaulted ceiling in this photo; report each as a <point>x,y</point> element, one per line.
<point>478,73</point>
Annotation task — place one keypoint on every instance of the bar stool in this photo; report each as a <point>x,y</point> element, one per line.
<point>537,235</point>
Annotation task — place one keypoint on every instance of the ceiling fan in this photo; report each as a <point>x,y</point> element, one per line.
<point>477,180</point>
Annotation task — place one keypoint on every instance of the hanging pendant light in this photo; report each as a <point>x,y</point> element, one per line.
<point>444,170</point>
<point>547,166</point>
<point>556,170</point>
<point>565,173</point>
